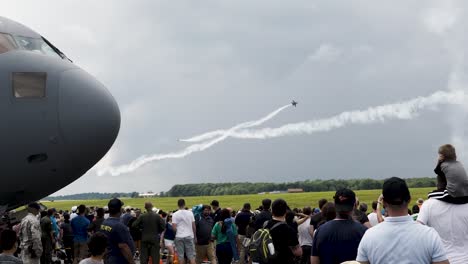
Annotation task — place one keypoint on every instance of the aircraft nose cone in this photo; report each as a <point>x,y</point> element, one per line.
<point>89,118</point>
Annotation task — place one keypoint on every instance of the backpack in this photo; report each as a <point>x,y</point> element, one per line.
<point>261,247</point>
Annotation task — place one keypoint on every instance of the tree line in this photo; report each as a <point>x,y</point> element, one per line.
<point>213,189</point>
<point>234,188</point>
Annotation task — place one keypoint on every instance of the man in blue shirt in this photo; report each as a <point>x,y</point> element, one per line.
<point>120,245</point>
<point>55,226</point>
<point>125,218</point>
<point>79,226</point>
<point>337,240</point>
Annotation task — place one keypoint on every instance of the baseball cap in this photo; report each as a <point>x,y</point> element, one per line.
<point>395,191</point>
<point>344,200</point>
<point>34,205</point>
<point>115,203</point>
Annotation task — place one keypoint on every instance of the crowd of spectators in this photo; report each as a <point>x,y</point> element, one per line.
<point>337,231</point>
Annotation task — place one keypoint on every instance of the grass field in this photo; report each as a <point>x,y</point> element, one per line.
<point>236,201</point>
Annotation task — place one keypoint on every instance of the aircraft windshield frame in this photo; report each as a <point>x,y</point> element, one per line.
<point>38,45</point>
<point>9,42</point>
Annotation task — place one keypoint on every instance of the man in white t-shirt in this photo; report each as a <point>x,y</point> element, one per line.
<point>451,222</point>
<point>183,223</point>
<point>73,214</point>
<point>373,216</point>
<point>399,239</point>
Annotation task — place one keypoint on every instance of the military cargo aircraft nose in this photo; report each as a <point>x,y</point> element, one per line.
<point>89,118</point>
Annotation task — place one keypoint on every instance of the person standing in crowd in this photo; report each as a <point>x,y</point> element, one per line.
<point>363,208</point>
<point>66,234</point>
<point>135,232</point>
<point>216,210</point>
<point>420,202</point>
<point>390,241</point>
<point>264,215</point>
<point>220,233</point>
<point>317,218</point>
<point>95,225</point>
<point>337,240</point>
<point>90,214</point>
<point>30,236</point>
<point>204,247</point>
<point>305,239</point>
<point>291,221</point>
<point>80,225</point>
<point>8,246</point>
<point>59,217</point>
<point>125,218</point>
<point>120,246</point>
<point>242,221</point>
<point>168,241</point>
<point>284,238</point>
<point>73,212</point>
<point>47,237</point>
<point>415,212</point>
<point>106,212</point>
<point>360,216</point>
<point>55,226</point>
<point>183,223</point>
<point>373,215</point>
<point>151,226</point>
<point>328,213</point>
<point>451,223</point>
<point>97,247</point>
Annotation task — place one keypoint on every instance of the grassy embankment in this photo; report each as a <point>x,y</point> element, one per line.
<point>236,201</point>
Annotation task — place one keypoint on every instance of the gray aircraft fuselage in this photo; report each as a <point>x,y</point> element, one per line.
<point>56,120</point>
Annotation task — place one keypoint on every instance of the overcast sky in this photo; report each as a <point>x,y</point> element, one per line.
<point>180,68</point>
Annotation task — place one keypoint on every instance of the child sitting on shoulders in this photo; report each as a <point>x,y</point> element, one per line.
<point>452,180</point>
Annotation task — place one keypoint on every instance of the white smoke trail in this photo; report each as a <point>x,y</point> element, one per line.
<point>249,124</point>
<point>404,110</point>
<point>132,166</point>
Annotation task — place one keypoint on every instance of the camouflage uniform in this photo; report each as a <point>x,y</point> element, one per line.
<point>30,239</point>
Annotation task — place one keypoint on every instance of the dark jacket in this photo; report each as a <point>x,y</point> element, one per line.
<point>204,226</point>
<point>151,225</point>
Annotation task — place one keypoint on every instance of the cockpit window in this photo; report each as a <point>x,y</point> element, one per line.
<point>29,84</point>
<point>6,43</point>
<point>37,45</point>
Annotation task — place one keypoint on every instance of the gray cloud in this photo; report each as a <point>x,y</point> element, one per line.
<point>182,68</point>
